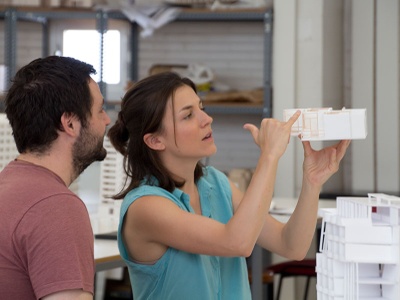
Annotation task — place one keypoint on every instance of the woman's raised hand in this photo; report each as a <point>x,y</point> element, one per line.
<point>273,135</point>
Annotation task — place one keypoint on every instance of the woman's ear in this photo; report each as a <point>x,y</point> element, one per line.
<point>153,142</point>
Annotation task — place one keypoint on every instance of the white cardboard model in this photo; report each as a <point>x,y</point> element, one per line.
<point>359,254</point>
<point>112,180</point>
<point>112,173</point>
<point>8,149</point>
<point>318,124</point>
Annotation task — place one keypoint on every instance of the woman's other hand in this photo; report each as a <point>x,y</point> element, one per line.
<point>319,166</point>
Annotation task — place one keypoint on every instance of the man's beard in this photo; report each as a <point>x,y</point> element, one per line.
<point>87,149</point>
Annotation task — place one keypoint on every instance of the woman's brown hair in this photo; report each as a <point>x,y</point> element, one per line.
<point>142,111</point>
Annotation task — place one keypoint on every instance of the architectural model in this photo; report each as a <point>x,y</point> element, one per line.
<point>112,180</point>
<point>318,124</point>
<point>113,176</point>
<point>359,249</point>
<point>8,149</point>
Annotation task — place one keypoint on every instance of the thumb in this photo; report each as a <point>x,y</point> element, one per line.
<point>307,148</point>
<point>253,130</point>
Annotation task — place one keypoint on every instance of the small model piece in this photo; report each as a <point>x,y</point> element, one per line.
<point>319,124</point>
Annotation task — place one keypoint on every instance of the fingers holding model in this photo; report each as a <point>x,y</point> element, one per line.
<point>319,166</point>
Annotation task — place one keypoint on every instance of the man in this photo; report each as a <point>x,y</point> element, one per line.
<point>56,113</point>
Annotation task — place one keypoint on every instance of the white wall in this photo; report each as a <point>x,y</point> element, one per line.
<point>374,70</point>
<point>336,53</point>
<point>363,89</point>
<point>285,88</point>
<point>387,108</point>
<point>307,73</point>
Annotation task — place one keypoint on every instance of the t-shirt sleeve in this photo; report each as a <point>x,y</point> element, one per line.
<point>54,242</point>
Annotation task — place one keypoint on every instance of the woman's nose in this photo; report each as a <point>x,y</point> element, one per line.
<point>206,119</point>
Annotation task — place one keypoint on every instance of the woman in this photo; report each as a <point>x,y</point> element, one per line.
<point>185,229</point>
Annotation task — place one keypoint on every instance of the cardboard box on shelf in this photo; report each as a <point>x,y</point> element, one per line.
<point>25,2</point>
<point>51,3</point>
<point>77,3</point>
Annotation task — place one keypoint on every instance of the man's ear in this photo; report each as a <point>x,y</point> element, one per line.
<point>153,142</point>
<point>70,124</point>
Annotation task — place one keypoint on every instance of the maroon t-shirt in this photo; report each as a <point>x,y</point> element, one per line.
<point>46,240</point>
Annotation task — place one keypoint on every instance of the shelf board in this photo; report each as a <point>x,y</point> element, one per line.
<point>233,108</point>
<point>36,13</point>
<point>256,14</point>
<point>187,14</point>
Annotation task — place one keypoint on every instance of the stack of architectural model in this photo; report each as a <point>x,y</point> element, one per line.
<point>113,176</point>
<point>318,124</point>
<point>359,249</point>
<point>112,180</point>
<point>8,149</point>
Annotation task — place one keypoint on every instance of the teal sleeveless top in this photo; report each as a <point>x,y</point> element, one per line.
<point>180,275</point>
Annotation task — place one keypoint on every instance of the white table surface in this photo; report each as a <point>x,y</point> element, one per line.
<point>106,255</point>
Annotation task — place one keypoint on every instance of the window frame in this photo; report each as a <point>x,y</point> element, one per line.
<point>114,92</point>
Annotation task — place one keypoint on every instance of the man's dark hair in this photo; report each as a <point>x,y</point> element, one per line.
<point>40,93</point>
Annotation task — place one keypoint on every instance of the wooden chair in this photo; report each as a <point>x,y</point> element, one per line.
<point>293,268</point>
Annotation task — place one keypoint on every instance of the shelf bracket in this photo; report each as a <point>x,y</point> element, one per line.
<point>102,25</point>
<point>10,18</point>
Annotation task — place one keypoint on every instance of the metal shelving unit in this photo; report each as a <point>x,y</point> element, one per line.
<point>11,17</point>
<point>256,15</point>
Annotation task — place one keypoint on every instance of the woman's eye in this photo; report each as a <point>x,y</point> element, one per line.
<point>188,116</point>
